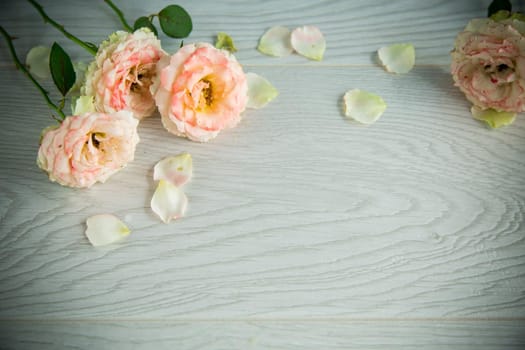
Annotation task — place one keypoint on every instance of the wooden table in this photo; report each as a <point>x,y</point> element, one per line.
<point>305,230</point>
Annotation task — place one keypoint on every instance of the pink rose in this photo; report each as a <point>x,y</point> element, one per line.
<point>120,76</point>
<point>199,91</point>
<point>88,148</point>
<point>488,64</point>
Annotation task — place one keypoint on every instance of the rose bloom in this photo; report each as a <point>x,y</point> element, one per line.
<point>120,76</point>
<point>88,148</point>
<point>199,91</point>
<point>488,64</point>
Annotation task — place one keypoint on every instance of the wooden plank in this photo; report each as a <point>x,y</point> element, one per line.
<point>354,30</point>
<point>252,335</point>
<point>297,212</point>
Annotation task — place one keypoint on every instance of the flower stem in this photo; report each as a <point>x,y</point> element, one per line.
<point>120,15</point>
<point>40,9</point>
<point>20,66</point>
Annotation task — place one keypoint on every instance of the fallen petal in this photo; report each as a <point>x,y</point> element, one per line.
<point>168,202</point>
<point>276,42</point>
<point>105,229</point>
<point>309,42</point>
<point>176,170</point>
<point>225,42</point>
<point>37,60</point>
<point>493,118</point>
<point>397,58</point>
<point>260,91</point>
<point>363,106</point>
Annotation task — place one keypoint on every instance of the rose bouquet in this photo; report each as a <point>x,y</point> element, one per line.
<point>199,91</point>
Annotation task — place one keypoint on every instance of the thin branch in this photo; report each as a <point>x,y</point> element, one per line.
<point>61,28</point>
<point>120,15</point>
<point>20,66</point>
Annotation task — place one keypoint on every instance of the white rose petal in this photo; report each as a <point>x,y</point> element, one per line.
<point>176,170</point>
<point>260,91</point>
<point>168,202</point>
<point>363,106</point>
<point>276,42</point>
<point>493,118</point>
<point>398,58</point>
<point>309,42</point>
<point>37,60</point>
<point>82,104</point>
<point>105,229</point>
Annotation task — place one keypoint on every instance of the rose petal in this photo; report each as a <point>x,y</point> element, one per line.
<point>309,42</point>
<point>276,42</point>
<point>176,170</point>
<point>397,58</point>
<point>37,60</point>
<point>363,106</point>
<point>493,118</point>
<point>168,202</point>
<point>82,104</point>
<point>260,91</point>
<point>105,229</point>
<point>225,42</point>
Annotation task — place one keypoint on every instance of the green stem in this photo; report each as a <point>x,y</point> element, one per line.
<point>120,15</point>
<point>61,28</point>
<point>20,66</point>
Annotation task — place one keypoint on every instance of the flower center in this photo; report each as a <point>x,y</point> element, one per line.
<point>207,92</point>
<point>201,95</point>
<point>500,73</point>
<point>94,140</point>
<point>141,78</point>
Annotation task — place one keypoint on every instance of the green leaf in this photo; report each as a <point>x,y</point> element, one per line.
<point>224,41</point>
<point>144,22</point>
<point>498,5</point>
<point>493,118</point>
<point>501,15</point>
<point>175,21</point>
<point>61,69</point>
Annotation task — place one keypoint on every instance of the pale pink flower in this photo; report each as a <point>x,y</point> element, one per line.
<point>88,148</point>
<point>120,76</point>
<point>200,91</point>
<point>488,64</point>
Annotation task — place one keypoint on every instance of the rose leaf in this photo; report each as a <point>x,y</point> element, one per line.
<point>61,69</point>
<point>175,21</point>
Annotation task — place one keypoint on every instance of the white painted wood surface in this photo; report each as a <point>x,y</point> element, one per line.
<point>305,231</point>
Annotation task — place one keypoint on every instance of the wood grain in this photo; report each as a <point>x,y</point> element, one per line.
<point>354,30</point>
<point>225,335</point>
<point>305,230</point>
<point>297,211</point>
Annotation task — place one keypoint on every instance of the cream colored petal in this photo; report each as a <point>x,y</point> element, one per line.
<point>493,118</point>
<point>37,60</point>
<point>260,91</point>
<point>176,170</point>
<point>309,42</point>
<point>168,202</point>
<point>397,58</point>
<point>276,42</point>
<point>105,229</point>
<point>82,104</point>
<point>363,106</point>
